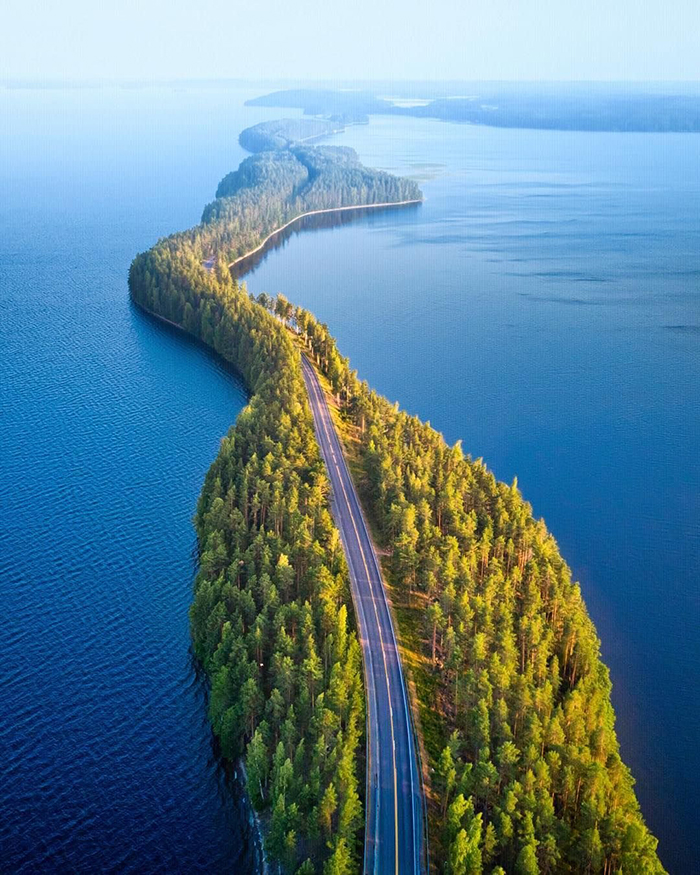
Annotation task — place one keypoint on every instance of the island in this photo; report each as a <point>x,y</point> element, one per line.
<point>521,766</point>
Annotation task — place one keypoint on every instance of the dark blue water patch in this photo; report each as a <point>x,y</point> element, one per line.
<point>684,329</point>
<point>584,391</point>
<point>578,302</point>
<point>549,187</point>
<point>570,275</point>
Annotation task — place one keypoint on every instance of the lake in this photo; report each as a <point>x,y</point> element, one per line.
<point>543,306</point>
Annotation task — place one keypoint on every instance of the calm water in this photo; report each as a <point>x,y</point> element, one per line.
<point>109,422</point>
<point>543,305</point>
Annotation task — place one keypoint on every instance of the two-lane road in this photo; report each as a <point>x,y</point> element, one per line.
<point>394,834</point>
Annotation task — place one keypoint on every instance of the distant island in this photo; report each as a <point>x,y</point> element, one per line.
<point>538,106</point>
<point>524,770</point>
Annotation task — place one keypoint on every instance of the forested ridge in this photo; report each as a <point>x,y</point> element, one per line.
<point>272,620</point>
<point>268,190</point>
<point>529,778</point>
<point>527,774</point>
<point>271,188</point>
<point>286,132</point>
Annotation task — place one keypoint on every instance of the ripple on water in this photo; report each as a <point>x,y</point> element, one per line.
<point>109,422</point>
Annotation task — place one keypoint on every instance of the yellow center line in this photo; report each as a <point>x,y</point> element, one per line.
<point>381,637</point>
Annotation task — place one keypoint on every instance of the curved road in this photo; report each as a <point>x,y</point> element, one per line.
<point>394,833</point>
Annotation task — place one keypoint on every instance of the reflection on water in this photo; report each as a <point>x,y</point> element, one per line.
<point>335,219</point>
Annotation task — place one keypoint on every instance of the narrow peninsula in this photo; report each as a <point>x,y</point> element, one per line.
<point>523,770</point>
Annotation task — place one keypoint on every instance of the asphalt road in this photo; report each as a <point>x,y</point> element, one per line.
<point>394,822</point>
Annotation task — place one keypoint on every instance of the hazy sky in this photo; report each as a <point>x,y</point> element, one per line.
<point>351,39</point>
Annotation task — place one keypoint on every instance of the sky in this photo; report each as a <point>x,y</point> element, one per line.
<point>350,39</point>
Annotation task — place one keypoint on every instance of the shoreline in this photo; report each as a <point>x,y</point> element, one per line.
<point>238,769</point>
<point>159,317</point>
<point>319,213</point>
<point>209,262</point>
<point>237,766</point>
<point>254,820</point>
<point>195,339</point>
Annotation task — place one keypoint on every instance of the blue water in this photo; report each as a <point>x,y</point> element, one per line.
<point>109,423</point>
<point>543,305</point>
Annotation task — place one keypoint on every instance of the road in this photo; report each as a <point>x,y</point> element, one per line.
<point>394,833</point>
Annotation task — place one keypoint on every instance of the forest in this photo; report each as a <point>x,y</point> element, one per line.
<point>525,769</point>
<point>325,102</point>
<point>528,777</point>
<point>271,619</point>
<point>286,132</point>
<point>273,187</point>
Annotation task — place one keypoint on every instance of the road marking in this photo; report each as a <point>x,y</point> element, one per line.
<point>324,421</point>
<point>368,663</point>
